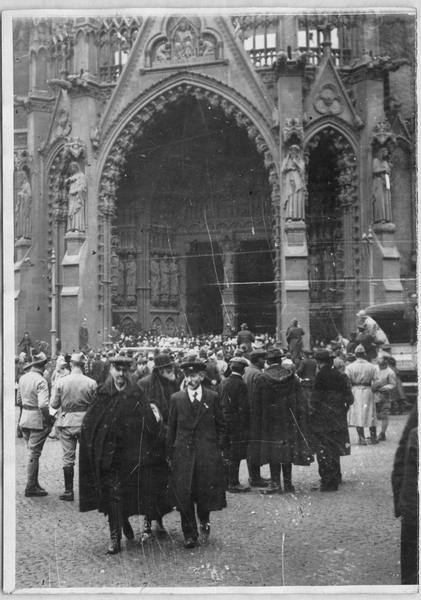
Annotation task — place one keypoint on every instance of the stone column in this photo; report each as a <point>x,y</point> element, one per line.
<point>228,304</point>
<point>292,288</point>
<point>143,285</point>
<point>71,291</point>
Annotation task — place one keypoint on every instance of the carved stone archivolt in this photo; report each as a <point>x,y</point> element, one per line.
<point>131,133</point>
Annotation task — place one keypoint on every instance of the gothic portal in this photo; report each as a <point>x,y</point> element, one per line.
<point>192,209</point>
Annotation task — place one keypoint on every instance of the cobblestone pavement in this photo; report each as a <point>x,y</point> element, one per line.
<point>349,537</point>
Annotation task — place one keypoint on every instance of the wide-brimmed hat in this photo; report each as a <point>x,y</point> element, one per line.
<point>119,359</point>
<point>323,356</point>
<point>274,353</point>
<point>38,359</point>
<point>258,353</point>
<point>193,365</point>
<point>163,360</point>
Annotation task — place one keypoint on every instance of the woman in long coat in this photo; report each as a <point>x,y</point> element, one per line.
<point>122,466</point>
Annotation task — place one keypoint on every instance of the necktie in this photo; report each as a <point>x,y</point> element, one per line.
<point>196,402</point>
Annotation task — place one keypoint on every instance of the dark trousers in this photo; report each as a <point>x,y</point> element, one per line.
<point>188,520</point>
<point>233,472</point>
<point>328,459</point>
<point>409,551</point>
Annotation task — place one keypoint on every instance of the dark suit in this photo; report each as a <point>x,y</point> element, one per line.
<point>195,440</point>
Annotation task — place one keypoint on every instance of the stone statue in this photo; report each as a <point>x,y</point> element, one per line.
<point>77,192</point>
<point>206,47</point>
<point>23,209</point>
<point>163,52</point>
<point>227,257</point>
<point>174,291</point>
<point>155,277</point>
<point>293,169</point>
<point>165,280</point>
<point>183,42</point>
<point>382,198</point>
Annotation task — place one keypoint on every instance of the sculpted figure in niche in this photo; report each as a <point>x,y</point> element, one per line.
<point>183,42</point>
<point>77,192</point>
<point>227,257</point>
<point>163,52</point>
<point>165,280</point>
<point>155,277</point>
<point>206,47</point>
<point>382,198</point>
<point>23,216</point>
<point>293,169</point>
<point>173,271</point>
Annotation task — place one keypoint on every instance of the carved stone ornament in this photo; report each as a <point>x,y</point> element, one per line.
<point>328,100</point>
<point>74,148</point>
<point>293,132</point>
<point>383,134</point>
<point>22,159</point>
<point>183,42</point>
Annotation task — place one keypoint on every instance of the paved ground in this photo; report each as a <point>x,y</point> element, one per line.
<point>349,537</point>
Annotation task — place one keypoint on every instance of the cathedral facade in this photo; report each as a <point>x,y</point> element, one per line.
<point>190,173</point>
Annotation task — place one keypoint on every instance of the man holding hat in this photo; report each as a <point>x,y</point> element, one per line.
<point>236,412</point>
<point>330,401</point>
<point>122,466</point>
<point>72,394</point>
<point>362,413</point>
<point>35,421</point>
<point>195,441</point>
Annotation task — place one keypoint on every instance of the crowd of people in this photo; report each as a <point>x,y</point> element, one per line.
<point>164,423</point>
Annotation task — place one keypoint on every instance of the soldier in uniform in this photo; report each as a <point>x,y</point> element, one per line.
<point>35,421</point>
<point>72,395</point>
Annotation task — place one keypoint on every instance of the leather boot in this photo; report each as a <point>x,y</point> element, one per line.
<point>32,490</point>
<point>36,478</point>
<point>287,474</point>
<point>361,438</point>
<point>68,484</point>
<point>127,529</point>
<point>114,522</point>
<point>255,479</point>
<point>373,435</point>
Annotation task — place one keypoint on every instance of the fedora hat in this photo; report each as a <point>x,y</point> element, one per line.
<point>239,360</point>
<point>38,359</point>
<point>163,360</point>
<point>323,356</point>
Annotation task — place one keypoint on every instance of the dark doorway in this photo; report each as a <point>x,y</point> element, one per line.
<point>255,288</point>
<point>205,275</point>
<point>324,216</point>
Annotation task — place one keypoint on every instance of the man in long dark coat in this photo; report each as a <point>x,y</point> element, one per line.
<point>195,442</point>
<point>330,400</point>
<point>281,420</point>
<point>122,466</point>
<point>251,376</point>
<point>236,413</point>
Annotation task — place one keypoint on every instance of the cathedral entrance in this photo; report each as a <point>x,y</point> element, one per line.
<point>193,197</point>
<point>255,286</point>
<point>331,221</point>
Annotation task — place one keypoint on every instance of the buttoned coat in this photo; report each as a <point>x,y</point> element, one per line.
<point>236,413</point>
<point>195,442</point>
<point>33,396</point>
